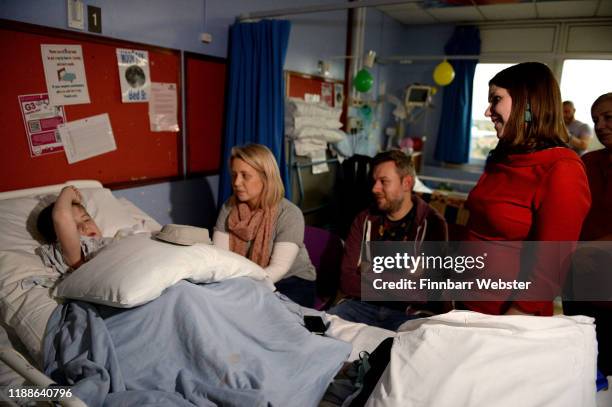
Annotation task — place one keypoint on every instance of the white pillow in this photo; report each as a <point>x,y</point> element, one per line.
<point>295,123</point>
<point>18,217</point>
<point>18,224</point>
<point>108,213</point>
<point>136,269</point>
<point>317,133</point>
<point>295,107</point>
<point>139,216</point>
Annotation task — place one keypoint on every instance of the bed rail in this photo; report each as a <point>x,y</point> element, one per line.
<point>15,361</point>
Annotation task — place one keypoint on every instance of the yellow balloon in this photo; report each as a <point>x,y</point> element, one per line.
<point>444,73</point>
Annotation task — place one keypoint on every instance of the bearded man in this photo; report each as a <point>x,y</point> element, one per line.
<point>398,215</point>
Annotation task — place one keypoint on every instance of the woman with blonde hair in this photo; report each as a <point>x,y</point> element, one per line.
<point>260,224</point>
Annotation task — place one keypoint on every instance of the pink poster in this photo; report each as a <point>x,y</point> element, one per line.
<point>41,120</point>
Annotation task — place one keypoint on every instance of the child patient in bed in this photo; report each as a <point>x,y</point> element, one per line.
<point>71,234</point>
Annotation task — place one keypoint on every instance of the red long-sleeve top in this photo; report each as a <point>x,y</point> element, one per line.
<point>541,196</point>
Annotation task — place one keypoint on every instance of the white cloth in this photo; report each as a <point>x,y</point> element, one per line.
<point>221,240</point>
<point>312,126</point>
<point>295,107</point>
<point>309,147</point>
<point>317,133</point>
<point>283,256</point>
<point>361,336</point>
<point>469,359</point>
<point>296,123</point>
<point>53,256</point>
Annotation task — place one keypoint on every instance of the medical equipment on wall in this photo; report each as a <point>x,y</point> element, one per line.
<point>417,101</point>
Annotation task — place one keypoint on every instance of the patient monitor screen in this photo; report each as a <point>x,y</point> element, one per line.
<point>417,96</point>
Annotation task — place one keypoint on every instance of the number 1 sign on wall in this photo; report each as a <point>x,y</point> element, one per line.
<point>94,19</point>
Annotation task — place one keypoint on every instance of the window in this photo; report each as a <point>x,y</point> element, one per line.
<point>582,81</point>
<point>483,137</point>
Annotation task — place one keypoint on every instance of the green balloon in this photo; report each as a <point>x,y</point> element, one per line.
<point>363,81</point>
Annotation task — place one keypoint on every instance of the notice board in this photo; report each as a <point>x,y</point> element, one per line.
<point>141,155</point>
<point>205,100</point>
<point>330,91</point>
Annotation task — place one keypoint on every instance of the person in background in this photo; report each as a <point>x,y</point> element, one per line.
<point>71,234</point>
<point>399,215</point>
<point>591,264</point>
<point>598,223</point>
<point>579,133</point>
<point>260,224</point>
<point>533,187</point>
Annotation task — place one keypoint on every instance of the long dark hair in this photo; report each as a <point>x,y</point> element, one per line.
<point>533,88</point>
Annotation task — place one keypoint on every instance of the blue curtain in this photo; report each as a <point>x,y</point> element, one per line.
<point>256,91</point>
<point>453,144</point>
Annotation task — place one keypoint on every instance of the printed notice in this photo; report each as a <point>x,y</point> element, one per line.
<point>41,120</point>
<point>319,156</point>
<point>338,95</point>
<point>134,75</point>
<point>163,107</point>
<point>327,91</point>
<point>87,138</point>
<point>65,74</point>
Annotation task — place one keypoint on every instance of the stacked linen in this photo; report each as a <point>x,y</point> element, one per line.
<point>311,126</point>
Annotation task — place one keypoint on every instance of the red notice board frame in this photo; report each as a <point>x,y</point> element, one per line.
<point>205,90</point>
<point>141,157</point>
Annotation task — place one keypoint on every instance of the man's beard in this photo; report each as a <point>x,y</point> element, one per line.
<point>390,206</point>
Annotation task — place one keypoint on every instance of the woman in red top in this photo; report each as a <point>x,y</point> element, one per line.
<point>534,188</point>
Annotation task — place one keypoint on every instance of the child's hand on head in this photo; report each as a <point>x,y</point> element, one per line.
<point>71,194</point>
<point>70,222</point>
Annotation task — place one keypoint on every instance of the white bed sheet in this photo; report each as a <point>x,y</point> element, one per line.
<point>464,358</point>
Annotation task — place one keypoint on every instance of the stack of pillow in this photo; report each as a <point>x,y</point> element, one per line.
<point>311,126</point>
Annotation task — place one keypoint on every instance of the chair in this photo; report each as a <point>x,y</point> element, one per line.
<point>325,251</point>
<point>352,192</point>
<point>452,207</point>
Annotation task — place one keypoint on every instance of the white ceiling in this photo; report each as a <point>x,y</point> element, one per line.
<point>421,12</point>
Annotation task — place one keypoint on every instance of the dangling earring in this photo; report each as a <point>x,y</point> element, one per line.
<point>528,113</point>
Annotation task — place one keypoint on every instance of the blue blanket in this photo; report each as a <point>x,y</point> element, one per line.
<point>232,343</point>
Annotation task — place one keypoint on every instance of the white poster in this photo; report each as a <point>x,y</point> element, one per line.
<point>134,75</point>
<point>163,112</point>
<point>65,74</point>
<point>87,137</point>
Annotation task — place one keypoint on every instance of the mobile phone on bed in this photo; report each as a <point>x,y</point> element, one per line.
<point>315,324</point>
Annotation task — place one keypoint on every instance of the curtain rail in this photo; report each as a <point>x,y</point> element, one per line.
<point>316,8</point>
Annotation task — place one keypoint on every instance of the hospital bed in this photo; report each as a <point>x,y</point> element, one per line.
<point>27,309</point>
<point>245,314</point>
